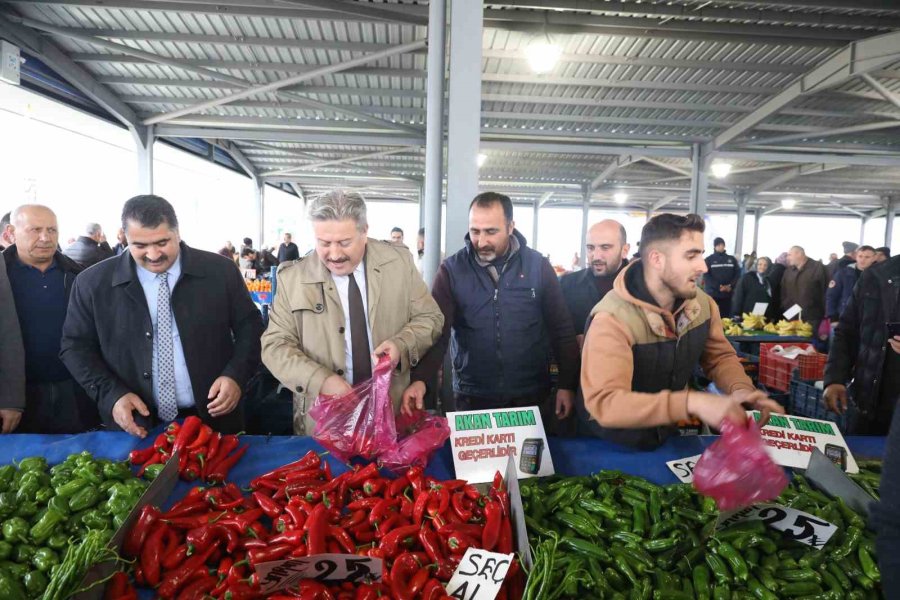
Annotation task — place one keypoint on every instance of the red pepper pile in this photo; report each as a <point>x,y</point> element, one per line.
<point>119,588</point>
<point>204,454</point>
<point>208,543</point>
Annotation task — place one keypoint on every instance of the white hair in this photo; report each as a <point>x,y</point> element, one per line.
<point>338,205</point>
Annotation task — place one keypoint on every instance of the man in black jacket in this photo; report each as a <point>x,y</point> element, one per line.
<point>91,248</point>
<point>864,355</point>
<point>162,331</point>
<point>42,279</point>
<point>288,250</point>
<point>723,272</point>
<point>607,252</point>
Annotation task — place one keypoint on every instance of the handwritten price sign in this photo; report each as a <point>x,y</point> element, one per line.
<point>479,575</point>
<point>282,574</point>
<point>794,524</point>
<point>684,468</point>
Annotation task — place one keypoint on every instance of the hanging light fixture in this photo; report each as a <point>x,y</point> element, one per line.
<point>788,203</point>
<point>542,54</point>
<point>482,158</point>
<point>720,170</point>
<point>620,197</point>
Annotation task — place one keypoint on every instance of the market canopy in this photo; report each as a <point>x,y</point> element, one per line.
<point>800,98</point>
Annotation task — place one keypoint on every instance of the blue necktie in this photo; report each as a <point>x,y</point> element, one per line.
<point>167,407</point>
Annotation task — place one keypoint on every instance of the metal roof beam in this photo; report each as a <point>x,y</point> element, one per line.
<point>358,9</point>
<point>339,161</point>
<point>584,148</point>
<point>614,165</point>
<point>304,137</point>
<point>669,11</point>
<point>663,202</point>
<point>276,85</point>
<point>58,60</point>
<point>238,156</point>
<point>568,23</point>
<point>668,167</point>
<point>573,135</point>
<point>850,210</point>
<point>821,133</point>
<point>237,81</point>
<point>811,157</point>
<point>885,93</point>
<point>790,174</point>
<point>853,60</point>
<point>244,8</point>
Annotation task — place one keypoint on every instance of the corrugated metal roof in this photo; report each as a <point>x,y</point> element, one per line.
<point>640,72</point>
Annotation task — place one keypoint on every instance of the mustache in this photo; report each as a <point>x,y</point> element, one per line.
<point>161,259</point>
<point>339,260</point>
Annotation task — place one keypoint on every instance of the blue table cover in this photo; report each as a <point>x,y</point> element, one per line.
<point>571,456</point>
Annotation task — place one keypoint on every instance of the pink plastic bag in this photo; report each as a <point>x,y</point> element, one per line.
<point>420,435</point>
<point>361,422</point>
<point>736,471</point>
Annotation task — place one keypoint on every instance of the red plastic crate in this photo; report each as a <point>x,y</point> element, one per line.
<point>775,371</point>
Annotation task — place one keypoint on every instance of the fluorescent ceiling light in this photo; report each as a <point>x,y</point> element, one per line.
<point>720,170</point>
<point>482,158</point>
<point>788,203</point>
<point>620,197</point>
<point>542,55</point>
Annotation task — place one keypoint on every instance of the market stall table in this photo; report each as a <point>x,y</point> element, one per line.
<point>571,456</point>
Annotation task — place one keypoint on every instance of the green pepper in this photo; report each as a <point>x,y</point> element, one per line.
<point>83,458</point>
<point>585,548</point>
<point>94,519</point>
<point>59,504</point>
<point>72,487</point>
<point>84,498</point>
<point>839,574</point>
<point>121,499</point>
<point>153,471</point>
<point>851,541</point>
<point>10,588</point>
<point>45,559</point>
<point>118,520</point>
<point>870,569</point>
<point>24,553</point>
<point>46,525</point>
<point>8,504</point>
<point>34,463</point>
<point>116,470</point>
<point>6,550</point>
<point>7,475</point>
<point>718,568</point>
<point>35,584</point>
<point>799,588</point>
<point>58,541</point>
<point>15,529</point>
<point>735,561</point>
<point>89,472</point>
<point>27,509</point>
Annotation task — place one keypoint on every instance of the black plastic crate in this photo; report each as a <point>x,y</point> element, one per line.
<point>806,401</point>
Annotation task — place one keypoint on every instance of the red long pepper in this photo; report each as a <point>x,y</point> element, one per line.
<point>220,470</point>
<point>317,527</point>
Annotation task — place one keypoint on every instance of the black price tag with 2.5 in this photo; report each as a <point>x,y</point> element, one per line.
<point>794,524</point>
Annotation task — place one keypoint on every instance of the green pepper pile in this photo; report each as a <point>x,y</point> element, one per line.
<point>612,535</point>
<point>41,508</point>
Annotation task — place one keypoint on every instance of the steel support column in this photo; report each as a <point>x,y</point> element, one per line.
<point>757,215</point>
<point>862,230</point>
<point>260,187</point>
<point>143,142</point>
<point>464,122</point>
<point>533,242</point>
<point>740,199</point>
<point>699,180</point>
<point>434,138</point>
<point>585,215</point>
<point>889,220</point>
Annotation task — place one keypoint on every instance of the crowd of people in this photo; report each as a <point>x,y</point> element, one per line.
<point>152,329</point>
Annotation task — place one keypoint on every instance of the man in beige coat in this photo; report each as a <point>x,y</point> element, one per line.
<point>354,293</point>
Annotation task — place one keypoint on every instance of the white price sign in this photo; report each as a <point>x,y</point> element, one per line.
<point>479,575</point>
<point>684,468</point>
<point>792,312</point>
<point>283,574</point>
<point>759,308</point>
<point>794,524</point>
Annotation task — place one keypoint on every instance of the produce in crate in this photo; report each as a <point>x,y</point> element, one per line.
<point>42,509</point>
<point>419,526</point>
<point>203,453</point>
<point>610,535</point>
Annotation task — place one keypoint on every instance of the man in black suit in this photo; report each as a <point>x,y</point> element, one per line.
<point>164,330</point>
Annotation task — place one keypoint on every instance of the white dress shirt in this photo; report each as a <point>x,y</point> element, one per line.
<point>184,393</point>
<point>342,282</point>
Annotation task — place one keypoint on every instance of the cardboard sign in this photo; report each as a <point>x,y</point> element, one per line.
<point>790,441</point>
<point>684,468</point>
<point>759,308</point>
<point>794,524</point>
<point>283,574</point>
<point>792,312</point>
<point>479,575</point>
<point>482,440</point>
